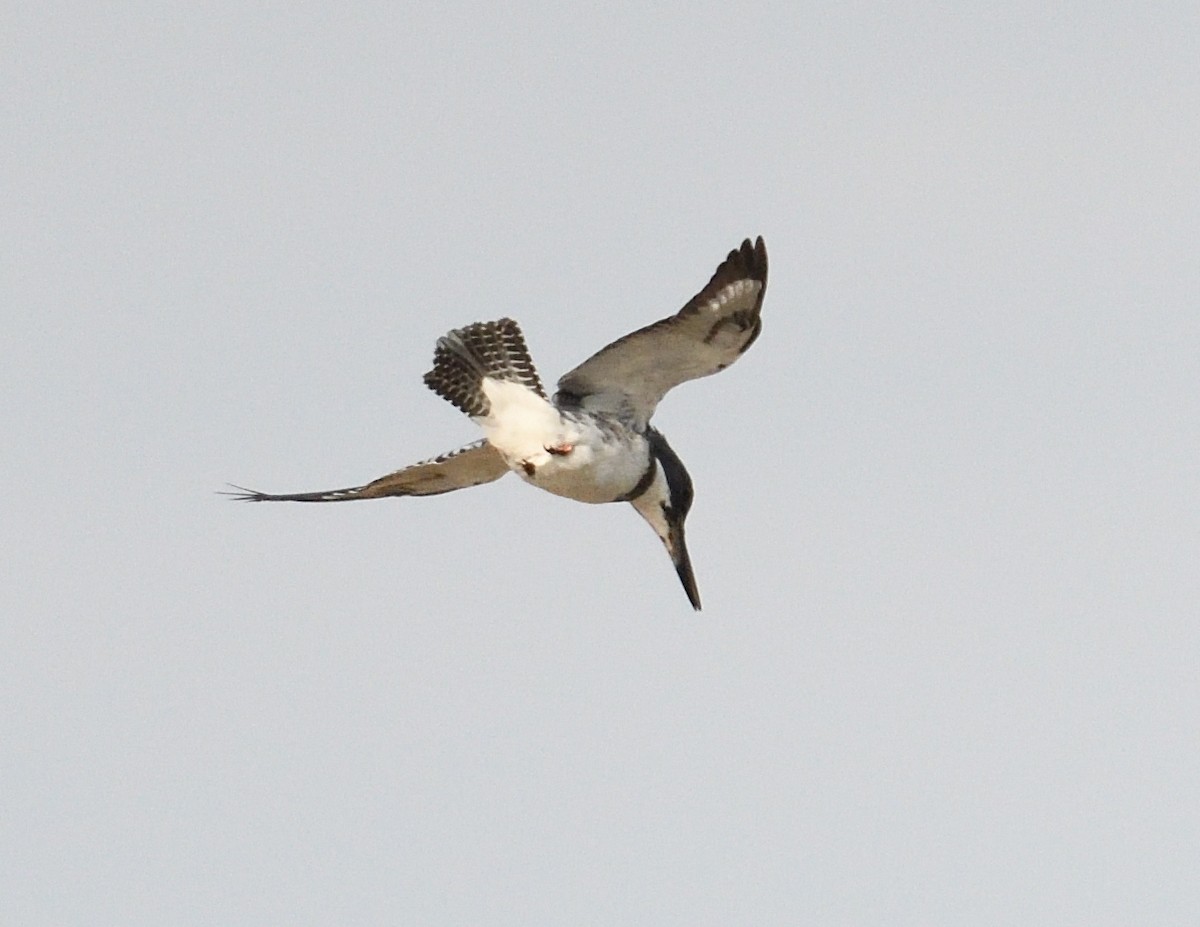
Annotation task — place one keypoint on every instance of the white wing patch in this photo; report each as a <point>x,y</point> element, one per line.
<point>739,290</point>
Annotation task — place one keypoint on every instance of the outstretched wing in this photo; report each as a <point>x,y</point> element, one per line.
<point>712,331</point>
<point>468,466</point>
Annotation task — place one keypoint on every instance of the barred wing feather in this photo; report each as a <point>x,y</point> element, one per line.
<point>468,466</point>
<point>631,375</point>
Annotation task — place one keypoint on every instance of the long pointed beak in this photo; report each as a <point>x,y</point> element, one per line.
<point>677,547</point>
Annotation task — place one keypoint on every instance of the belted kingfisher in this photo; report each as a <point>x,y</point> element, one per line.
<point>593,440</point>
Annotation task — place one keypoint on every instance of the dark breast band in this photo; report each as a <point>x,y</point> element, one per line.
<point>642,484</point>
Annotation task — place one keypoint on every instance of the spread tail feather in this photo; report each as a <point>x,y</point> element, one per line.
<point>465,356</point>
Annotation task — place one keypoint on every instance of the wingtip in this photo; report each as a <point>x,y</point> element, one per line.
<point>242,495</point>
<point>753,257</point>
<point>748,260</point>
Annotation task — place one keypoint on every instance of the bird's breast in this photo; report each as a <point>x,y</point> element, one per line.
<point>597,468</point>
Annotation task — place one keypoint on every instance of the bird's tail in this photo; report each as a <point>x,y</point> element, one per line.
<point>465,356</point>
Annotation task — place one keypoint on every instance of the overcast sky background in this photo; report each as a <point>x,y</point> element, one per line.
<point>947,522</point>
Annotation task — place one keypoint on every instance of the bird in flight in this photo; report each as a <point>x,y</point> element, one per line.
<point>592,441</point>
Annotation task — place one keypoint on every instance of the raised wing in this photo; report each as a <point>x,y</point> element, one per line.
<point>713,330</point>
<point>468,466</point>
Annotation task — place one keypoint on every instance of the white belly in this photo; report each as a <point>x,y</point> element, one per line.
<point>592,472</point>
<point>523,426</point>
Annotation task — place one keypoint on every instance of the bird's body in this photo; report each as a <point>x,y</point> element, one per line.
<point>588,458</point>
<point>592,441</point>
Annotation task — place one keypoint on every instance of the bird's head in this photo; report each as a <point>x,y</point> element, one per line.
<point>665,505</point>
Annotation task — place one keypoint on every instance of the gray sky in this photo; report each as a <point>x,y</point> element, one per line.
<point>947,512</point>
